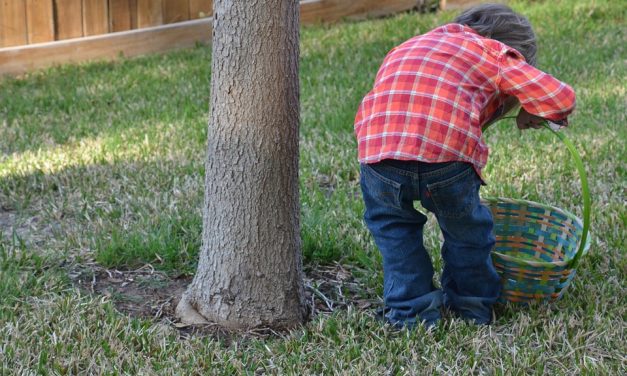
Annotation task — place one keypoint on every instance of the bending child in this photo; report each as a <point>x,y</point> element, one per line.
<point>419,133</point>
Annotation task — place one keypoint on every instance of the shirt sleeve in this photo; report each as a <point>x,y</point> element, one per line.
<point>539,93</point>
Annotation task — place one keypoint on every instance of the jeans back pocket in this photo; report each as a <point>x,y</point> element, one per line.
<point>379,187</point>
<point>457,196</point>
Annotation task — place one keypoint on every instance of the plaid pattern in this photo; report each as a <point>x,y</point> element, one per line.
<point>433,93</point>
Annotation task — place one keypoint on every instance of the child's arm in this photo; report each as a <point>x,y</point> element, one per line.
<point>525,120</point>
<point>541,96</point>
<point>508,105</point>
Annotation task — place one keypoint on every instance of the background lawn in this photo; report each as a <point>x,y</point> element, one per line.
<point>101,173</point>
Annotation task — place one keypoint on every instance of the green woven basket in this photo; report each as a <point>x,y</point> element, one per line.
<point>538,247</point>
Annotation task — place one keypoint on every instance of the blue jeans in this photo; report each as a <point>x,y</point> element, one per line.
<point>470,284</point>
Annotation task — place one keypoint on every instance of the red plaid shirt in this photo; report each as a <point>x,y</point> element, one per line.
<point>434,92</point>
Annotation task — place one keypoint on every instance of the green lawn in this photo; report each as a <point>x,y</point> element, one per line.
<point>101,169</point>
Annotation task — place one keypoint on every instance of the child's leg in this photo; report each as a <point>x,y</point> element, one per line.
<point>469,280</point>
<point>397,229</point>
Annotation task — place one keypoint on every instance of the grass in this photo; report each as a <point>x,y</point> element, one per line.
<point>103,163</point>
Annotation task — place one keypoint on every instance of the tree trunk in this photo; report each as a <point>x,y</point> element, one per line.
<point>250,267</point>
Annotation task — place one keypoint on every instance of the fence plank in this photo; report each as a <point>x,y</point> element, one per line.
<point>200,8</point>
<point>133,4</point>
<point>68,19</point>
<point>175,11</point>
<point>315,11</point>
<point>119,15</point>
<point>39,21</point>
<point>95,17</point>
<point>149,13</point>
<point>13,23</point>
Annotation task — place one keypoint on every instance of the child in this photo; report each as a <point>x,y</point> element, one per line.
<point>419,137</point>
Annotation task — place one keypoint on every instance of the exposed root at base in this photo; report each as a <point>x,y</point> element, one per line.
<point>188,314</point>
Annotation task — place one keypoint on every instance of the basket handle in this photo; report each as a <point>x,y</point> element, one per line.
<point>587,204</point>
<point>584,189</point>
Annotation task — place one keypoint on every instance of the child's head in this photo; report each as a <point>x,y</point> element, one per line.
<point>500,22</point>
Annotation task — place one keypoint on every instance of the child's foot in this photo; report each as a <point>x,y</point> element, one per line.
<point>382,315</point>
<point>470,317</point>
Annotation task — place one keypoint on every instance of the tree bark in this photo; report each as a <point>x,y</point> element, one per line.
<point>250,266</point>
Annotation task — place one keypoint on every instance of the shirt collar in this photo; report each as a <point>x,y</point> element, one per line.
<point>454,28</point>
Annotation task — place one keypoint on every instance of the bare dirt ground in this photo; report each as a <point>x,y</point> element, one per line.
<point>29,230</point>
<point>150,294</point>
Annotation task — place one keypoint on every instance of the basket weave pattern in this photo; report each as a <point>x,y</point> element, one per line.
<point>535,247</point>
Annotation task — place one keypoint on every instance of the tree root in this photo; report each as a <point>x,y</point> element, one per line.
<point>188,314</point>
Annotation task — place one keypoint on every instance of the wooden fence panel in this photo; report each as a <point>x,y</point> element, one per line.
<point>200,9</point>
<point>33,21</point>
<point>119,15</point>
<point>149,13</point>
<point>13,30</point>
<point>95,17</point>
<point>39,21</point>
<point>175,11</point>
<point>69,19</point>
<point>107,47</point>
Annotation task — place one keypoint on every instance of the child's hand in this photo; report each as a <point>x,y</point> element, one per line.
<point>525,120</point>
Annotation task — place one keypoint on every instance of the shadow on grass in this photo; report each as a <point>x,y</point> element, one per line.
<point>73,102</point>
<point>131,231</point>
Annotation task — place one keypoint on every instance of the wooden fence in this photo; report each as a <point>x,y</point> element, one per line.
<point>39,33</point>
<point>35,21</point>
